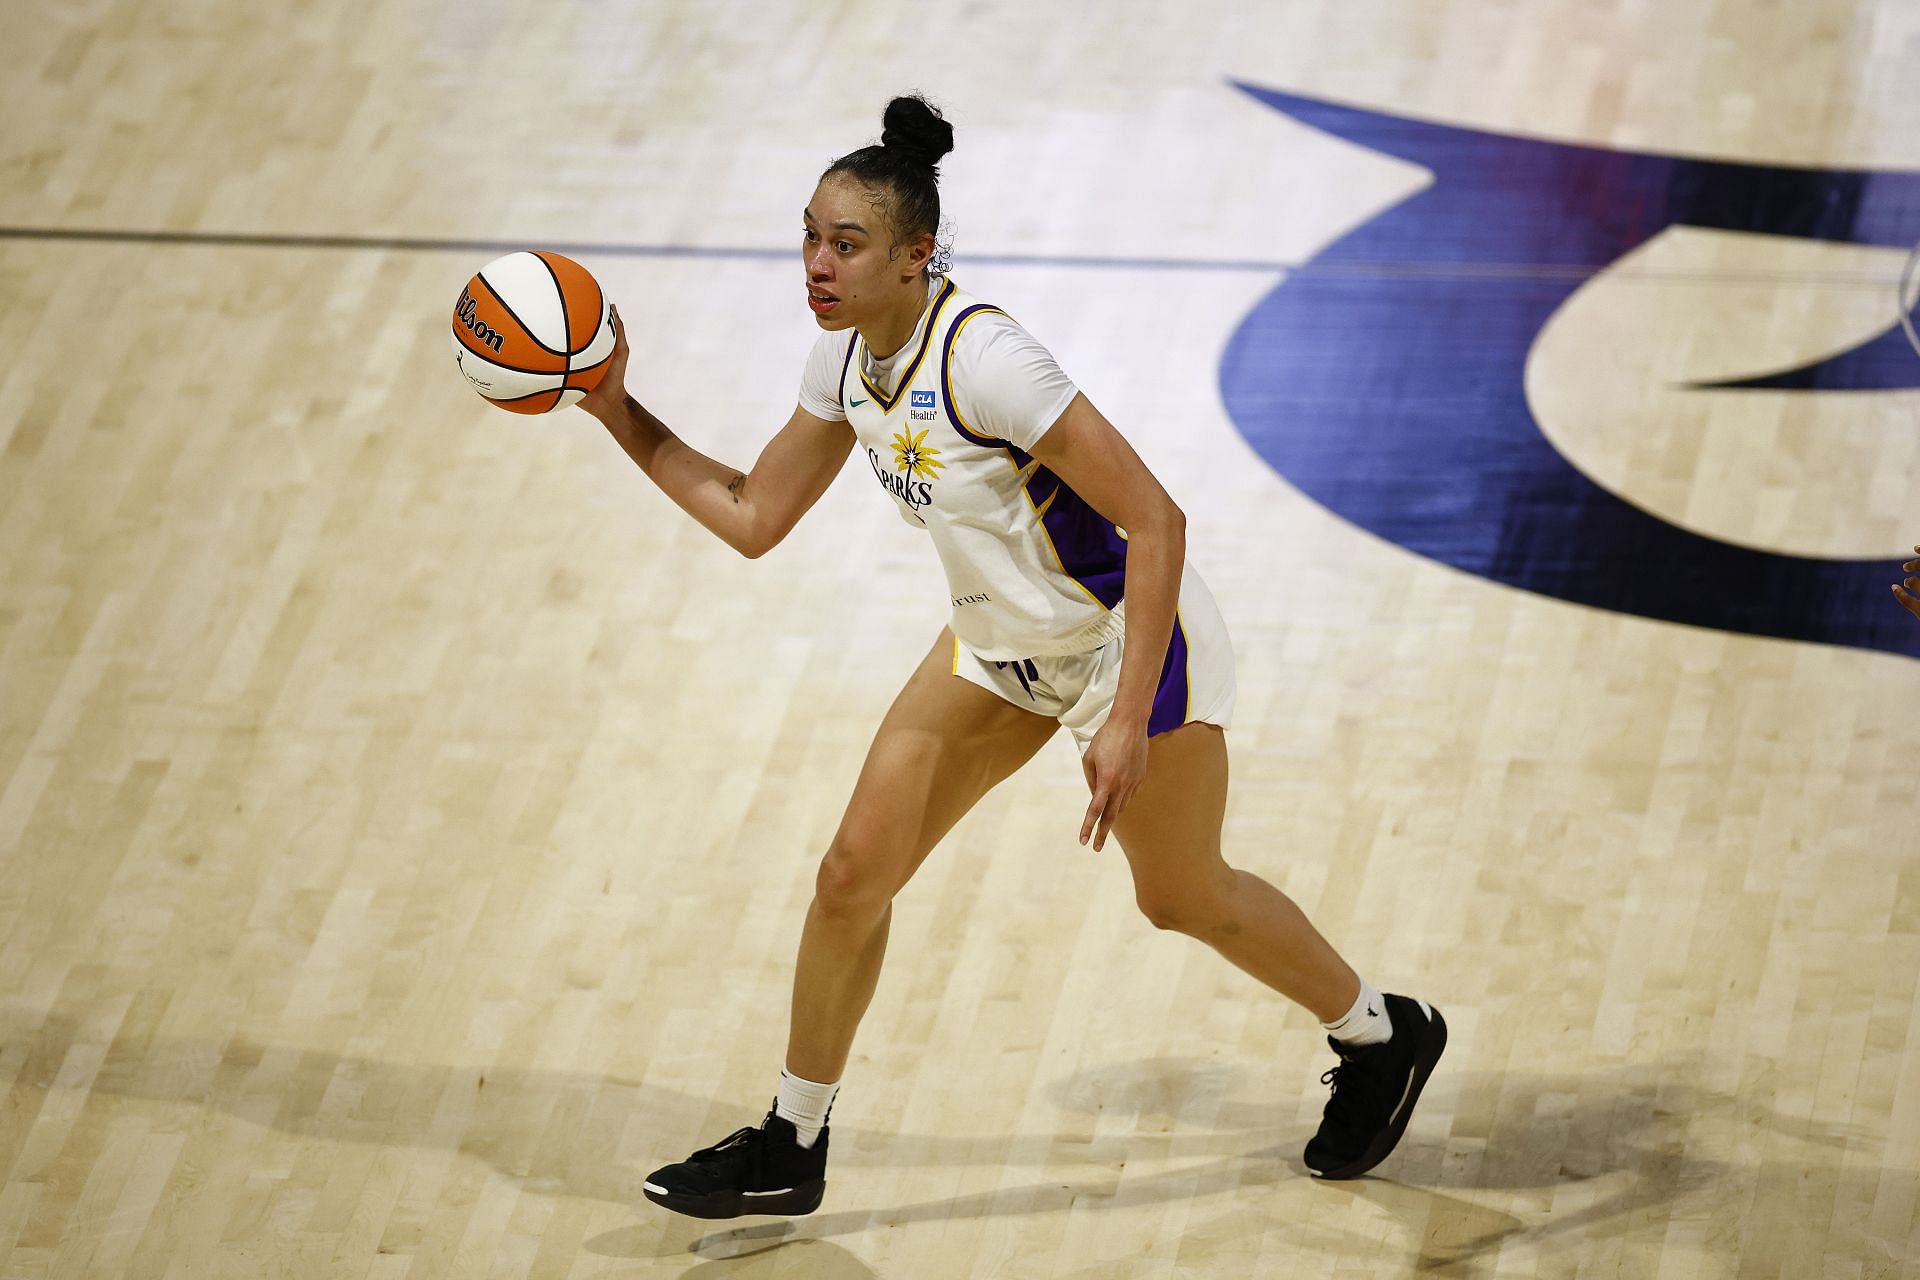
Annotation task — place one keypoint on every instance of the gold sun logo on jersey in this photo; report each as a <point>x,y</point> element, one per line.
<point>915,457</point>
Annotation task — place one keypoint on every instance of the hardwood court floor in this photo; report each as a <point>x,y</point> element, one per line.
<point>406,815</point>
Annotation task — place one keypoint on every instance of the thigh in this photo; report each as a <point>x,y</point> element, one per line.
<point>1170,832</point>
<point>943,744</point>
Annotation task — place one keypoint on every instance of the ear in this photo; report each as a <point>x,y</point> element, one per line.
<point>919,253</point>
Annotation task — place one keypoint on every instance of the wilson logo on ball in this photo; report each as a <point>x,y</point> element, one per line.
<point>465,313</point>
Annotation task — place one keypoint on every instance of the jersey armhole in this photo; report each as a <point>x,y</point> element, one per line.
<point>946,379</point>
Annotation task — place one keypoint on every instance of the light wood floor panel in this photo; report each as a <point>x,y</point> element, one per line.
<point>406,816</point>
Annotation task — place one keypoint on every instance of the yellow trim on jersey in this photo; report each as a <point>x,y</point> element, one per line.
<point>889,403</point>
<point>1186,712</point>
<point>946,373</point>
<point>1040,523</point>
<point>956,655</point>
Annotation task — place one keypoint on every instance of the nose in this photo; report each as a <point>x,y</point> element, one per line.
<point>817,262</point>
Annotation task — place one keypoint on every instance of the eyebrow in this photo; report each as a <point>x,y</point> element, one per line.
<point>838,226</point>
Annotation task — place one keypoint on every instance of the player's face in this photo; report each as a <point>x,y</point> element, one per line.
<point>853,273</point>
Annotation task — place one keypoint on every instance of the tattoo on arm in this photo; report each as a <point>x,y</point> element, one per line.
<point>735,486</point>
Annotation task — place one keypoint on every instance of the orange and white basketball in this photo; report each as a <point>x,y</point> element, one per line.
<point>532,332</point>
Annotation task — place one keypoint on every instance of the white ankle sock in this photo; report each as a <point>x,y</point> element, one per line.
<point>1365,1023</point>
<point>805,1105</point>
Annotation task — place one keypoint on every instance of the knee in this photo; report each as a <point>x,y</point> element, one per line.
<point>1200,906</point>
<point>852,884</point>
<point>1180,911</point>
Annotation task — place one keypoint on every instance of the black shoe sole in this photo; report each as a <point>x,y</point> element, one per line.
<point>792,1203</point>
<point>1432,1044</point>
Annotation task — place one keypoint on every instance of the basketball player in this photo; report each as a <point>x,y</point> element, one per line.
<point>1072,605</point>
<point>1904,591</point>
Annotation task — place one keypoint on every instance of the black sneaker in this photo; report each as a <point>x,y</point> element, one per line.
<point>1374,1089</point>
<point>762,1170</point>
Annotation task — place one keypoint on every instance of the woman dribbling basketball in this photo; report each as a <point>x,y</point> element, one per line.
<point>1072,605</point>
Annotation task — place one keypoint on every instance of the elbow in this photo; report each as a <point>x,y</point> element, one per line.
<point>754,543</point>
<point>1171,523</point>
<point>1163,525</point>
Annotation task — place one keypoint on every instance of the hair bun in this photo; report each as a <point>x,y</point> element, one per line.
<point>913,127</point>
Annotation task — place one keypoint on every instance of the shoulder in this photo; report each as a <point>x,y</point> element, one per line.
<point>1003,383</point>
<point>820,380</point>
<point>832,348</point>
<point>828,358</point>
<point>975,323</point>
<point>984,341</point>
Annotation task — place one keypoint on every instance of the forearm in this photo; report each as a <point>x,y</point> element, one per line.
<point>709,491</point>
<point>1156,557</point>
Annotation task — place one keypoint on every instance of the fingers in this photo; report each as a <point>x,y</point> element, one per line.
<point>1096,817</point>
<point>1096,804</point>
<point>1905,595</point>
<point>1112,792</point>
<point>1908,592</point>
<point>1107,805</point>
<point>619,332</point>
<point>1107,815</point>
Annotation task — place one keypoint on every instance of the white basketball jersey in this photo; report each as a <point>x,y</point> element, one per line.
<point>1032,570</point>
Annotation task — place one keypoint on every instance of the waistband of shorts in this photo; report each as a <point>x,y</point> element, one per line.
<point>1103,630</point>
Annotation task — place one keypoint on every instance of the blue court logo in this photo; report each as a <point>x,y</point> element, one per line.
<point>1396,397</point>
<point>923,400</point>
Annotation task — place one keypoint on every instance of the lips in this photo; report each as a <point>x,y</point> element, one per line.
<point>821,302</point>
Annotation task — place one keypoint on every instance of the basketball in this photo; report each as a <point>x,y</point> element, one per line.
<point>532,332</point>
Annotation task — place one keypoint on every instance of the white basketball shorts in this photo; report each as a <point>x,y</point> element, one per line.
<point>1196,680</point>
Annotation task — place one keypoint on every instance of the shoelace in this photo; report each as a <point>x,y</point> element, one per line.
<point>1352,1093</point>
<point>723,1148</point>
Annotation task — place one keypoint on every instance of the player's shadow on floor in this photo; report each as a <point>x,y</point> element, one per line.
<point>1625,1129</point>
<point>560,1132</point>
<point>1633,1130</point>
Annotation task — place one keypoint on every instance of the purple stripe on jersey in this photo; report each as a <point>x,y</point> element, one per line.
<point>846,362</point>
<point>946,379</point>
<point>1091,550</point>
<point>1170,699</point>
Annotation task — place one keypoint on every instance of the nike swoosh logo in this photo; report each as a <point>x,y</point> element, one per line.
<point>855,403</point>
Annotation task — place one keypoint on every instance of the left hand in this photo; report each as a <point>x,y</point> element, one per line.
<point>1115,764</point>
<point>609,395</point>
<point>1904,591</point>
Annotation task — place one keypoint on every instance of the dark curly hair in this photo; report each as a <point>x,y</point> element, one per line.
<point>903,167</point>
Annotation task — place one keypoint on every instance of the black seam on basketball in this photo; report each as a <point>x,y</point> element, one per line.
<point>560,292</point>
<point>572,368</point>
<point>599,309</point>
<point>589,368</point>
<point>550,391</point>
<point>524,328</point>
<point>466,340</point>
<point>574,373</point>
